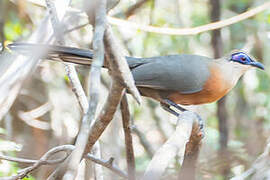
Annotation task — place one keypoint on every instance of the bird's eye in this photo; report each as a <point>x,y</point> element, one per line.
<point>243,58</point>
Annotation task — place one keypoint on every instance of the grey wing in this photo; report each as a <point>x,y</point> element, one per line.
<point>183,73</point>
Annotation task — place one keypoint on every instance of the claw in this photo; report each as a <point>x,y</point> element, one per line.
<point>201,126</point>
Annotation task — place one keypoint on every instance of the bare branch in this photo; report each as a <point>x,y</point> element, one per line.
<point>106,115</point>
<point>71,165</point>
<point>191,31</point>
<point>30,117</point>
<point>70,69</point>
<point>128,138</point>
<point>121,65</point>
<point>147,146</point>
<point>108,164</point>
<point>45,160</point>
<point>177,142</point>
<point>258,164</point>
<point>94,86</point>
<point>188,169</point>
<point>184,31</point>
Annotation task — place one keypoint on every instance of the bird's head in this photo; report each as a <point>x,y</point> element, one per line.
<point>245,60</point>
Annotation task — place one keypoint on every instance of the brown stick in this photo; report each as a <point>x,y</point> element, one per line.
<point>120,72</point>
<point>128,138</point>
<point>188,169</point>
<point>131,10</point>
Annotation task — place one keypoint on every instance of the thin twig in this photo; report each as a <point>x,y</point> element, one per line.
<point>45,160</point>
<point>131,10</point>
<point>70,69</point>
<point>128,138</point>
<point>145,143</point>
<point>75,28</point>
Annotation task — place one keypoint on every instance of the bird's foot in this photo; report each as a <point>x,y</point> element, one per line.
<point>201,125</point>
<point>166,103</point>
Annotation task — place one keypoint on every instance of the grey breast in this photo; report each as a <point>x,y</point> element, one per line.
<point>183,73</point>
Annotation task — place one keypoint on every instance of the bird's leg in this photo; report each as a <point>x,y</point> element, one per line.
<point>167,108</point>
<point>171,103</point>
<point>166,103</point>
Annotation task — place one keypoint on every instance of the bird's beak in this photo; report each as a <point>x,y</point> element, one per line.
<point>257,65</point>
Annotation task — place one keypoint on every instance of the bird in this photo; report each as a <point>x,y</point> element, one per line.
<point>171,80</point>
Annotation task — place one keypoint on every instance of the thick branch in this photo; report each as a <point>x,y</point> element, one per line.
<point>128,138</point>
<point>177,142</point>
<point>188,169</point>
<point>121,74</point>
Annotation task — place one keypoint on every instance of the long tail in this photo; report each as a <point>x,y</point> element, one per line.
<point>66,54</point>
<point>58,53</point>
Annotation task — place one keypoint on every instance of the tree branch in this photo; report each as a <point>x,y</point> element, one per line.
<point>147,146</point>
<point>190,31</point>
<point>45,160</point>
<point>94,88</point>
<point>128,138</point>
<point>176,143</point>
<point>69,167</point>
<point>184,31</point>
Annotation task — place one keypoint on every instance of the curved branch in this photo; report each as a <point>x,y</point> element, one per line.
<point>45,160</point>
<point>191,31</point>
<point>179,31</point>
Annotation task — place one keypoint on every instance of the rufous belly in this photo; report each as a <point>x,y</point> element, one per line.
<point>214,89</point>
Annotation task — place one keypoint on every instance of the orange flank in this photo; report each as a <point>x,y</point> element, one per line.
<point>214,89</point>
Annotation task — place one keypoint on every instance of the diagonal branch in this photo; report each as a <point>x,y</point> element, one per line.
<point>94,88</point>
<point>176,143</point>
<point>69,167</point>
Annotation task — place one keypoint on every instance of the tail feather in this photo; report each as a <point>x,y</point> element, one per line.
<point>66,54</point>
<point>58,53</point>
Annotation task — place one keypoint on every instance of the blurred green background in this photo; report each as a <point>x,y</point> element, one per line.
<point>246,110</point>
